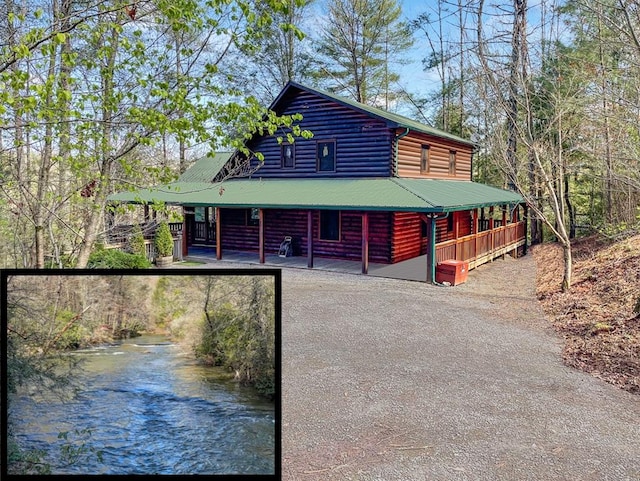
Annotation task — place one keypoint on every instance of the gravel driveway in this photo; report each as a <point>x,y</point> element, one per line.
<point>396,380</point>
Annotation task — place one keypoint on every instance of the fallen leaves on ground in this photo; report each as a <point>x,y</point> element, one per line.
<point>598,317</point>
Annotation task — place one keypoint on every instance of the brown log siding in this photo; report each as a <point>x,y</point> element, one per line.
<point>408,241</point>
<point>235,234</point>
<point>409,153</point>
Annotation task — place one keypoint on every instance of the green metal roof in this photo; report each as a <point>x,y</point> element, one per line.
<point>395,119</point>
<point>379,194</point>
<point>206,168</point>
<point>451,195</point>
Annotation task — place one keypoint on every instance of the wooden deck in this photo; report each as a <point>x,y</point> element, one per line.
<point>483,247</point>
<point>475,249</point>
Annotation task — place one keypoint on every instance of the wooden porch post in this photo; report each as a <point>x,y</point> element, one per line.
<point>146,212</point>
<point>431,250</point>
<point>261,234</point>
<point>491,230</point>
<point>218,236</point>
<point>475,233</point>
<point>309,238</point>
<point>365,243</point>
<point>526,228</point>
<point>456,229</point>
<point>504,229</point>
<point>185,247</point>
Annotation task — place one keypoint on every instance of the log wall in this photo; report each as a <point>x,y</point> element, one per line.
<point>410,151</point>
<point>408,240</point>
<point>363,143</point>
<point>235,234</point>
<point>280,223</point>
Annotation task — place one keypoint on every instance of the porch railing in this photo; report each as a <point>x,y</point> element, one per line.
<point>483,246</point>
<point>119,236</point>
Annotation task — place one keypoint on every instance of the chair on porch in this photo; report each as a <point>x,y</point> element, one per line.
<point>286,249</point>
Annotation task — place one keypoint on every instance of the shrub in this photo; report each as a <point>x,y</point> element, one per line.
<point>230,338</point>
<point>136,241</point>
<point>163,240</point>
<point>115,259</point>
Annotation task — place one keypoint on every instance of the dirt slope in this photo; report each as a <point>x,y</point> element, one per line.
<point>599,317</point>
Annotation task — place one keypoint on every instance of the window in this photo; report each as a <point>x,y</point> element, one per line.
<point>450,222</point>
<point>288,156</point>
<point>330,225</point>
<point>424,159</point>
<point>452,162</point>
<point>253,216</point>
<point>326,155</point>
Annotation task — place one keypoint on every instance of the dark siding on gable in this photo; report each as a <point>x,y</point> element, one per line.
<point>363,144</point>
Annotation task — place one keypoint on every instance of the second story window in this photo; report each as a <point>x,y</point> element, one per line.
<point>326,155</point>
<point>288,156</point>
<point>424,159</point>
<point>452,162</point>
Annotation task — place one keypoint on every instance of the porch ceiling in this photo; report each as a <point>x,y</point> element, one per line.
<point>379,194</point>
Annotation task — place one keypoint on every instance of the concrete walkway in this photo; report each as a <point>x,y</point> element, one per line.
<point>413,269</point>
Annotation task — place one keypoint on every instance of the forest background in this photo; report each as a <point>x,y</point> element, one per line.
<point>99,96</point>
<point>224,320</point>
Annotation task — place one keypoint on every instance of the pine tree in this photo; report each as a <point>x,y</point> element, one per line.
<point>361,42</point>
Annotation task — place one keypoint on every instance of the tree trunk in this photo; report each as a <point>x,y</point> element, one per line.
<point>570,210</point>
<point>608,158</point>
<point>568,266</point>
<point>517,47</point>
<point>108,156</point>
<point>44,171</point>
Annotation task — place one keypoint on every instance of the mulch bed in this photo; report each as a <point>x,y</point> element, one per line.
<point>599,317</point>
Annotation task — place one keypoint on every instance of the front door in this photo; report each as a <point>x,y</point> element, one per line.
<point>201,226</point>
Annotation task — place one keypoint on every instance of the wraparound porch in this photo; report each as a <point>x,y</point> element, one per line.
<point>411,270</point>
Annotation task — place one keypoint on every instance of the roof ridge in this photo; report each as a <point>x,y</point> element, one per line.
<point>389,116</point>
<point>395,180</point>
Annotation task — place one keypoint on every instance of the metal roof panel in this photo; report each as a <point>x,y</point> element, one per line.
<point>206,168</point>
<point>380,194</point>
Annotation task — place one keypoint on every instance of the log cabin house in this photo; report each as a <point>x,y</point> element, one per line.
<point>370,186</point>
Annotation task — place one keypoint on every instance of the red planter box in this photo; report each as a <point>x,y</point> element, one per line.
<point>453,272</point>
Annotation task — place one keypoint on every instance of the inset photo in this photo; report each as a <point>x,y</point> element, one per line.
<point>165,372</point>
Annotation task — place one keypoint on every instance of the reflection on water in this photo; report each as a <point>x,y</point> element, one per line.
<point>151,409</point>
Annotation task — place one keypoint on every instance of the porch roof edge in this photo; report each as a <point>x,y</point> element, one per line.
<point>371,194</point>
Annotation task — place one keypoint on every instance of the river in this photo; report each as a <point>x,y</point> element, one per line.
<point>151,409</point>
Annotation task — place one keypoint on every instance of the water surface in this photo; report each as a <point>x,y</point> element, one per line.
<point>151,409</point>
